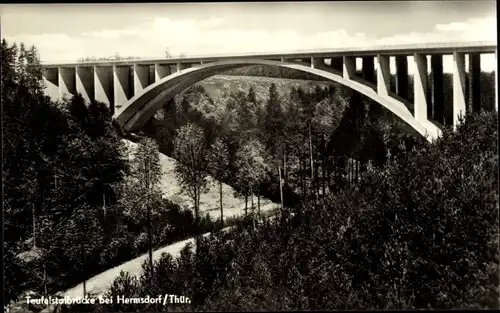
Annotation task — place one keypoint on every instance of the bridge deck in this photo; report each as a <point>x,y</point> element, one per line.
<point>391,50</point>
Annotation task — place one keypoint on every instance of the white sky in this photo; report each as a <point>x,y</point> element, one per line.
<point>68,32</point>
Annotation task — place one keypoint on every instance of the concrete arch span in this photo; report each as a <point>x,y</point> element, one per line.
<point>139,109</point>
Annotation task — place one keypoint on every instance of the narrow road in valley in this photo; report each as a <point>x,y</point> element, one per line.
<point>99,284</point>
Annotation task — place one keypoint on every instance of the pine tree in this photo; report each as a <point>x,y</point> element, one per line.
<point>274,121</point>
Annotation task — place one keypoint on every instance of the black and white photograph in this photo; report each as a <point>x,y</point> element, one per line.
<point>250,156</point>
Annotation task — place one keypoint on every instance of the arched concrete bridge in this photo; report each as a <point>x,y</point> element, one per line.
<point>112,81</point>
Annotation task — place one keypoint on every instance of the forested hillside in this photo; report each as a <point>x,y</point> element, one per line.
<point>76,202</point>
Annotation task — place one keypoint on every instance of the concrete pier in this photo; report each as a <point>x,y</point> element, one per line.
<point>383,75</point>
<point>474,82</point>
<point>103,85</point>
<point>420,87</point>
<point>85,82</point>
<point>121,84</point>
<point>459,103</point>
<point>67,83</point>
<point>437,104</point>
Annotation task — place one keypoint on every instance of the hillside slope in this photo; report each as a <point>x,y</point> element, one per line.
<point>209,202</point>
<point>218,86</point>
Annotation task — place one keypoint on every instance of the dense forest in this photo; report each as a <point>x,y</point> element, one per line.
<point>74,204</point>
<point>372,215</point>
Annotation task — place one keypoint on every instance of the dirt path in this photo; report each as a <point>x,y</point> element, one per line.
<point>101,282</point>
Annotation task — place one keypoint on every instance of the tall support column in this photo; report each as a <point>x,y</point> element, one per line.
<point>437,112</point>
<point>67,86</point>
<point>368,68</point>
<point>317,62</point>
<point>349,67</point>
<point>459,104</point>
<point>121,85</point>
<point>282,59</point>
<point>161,71</point>
<point>337,63</point>
<point>51,82</point>
<point>474,82</point>
<point>103,85</point>
<point>496,80</point>
<point>85,82</point>
<point>383,75</point>
<point>179,67</point>
<point>141,78</point>
<point>420,87</point>
<point>402,76</point>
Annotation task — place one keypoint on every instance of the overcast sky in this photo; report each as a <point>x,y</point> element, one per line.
<point>64,32</point>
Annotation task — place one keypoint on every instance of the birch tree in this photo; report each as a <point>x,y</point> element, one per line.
<point>146,169</point>
<point>191,163</point>
<point>218,166</point>
<point>252,169</point>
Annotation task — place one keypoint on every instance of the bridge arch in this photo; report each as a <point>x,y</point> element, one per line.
<point>139,109</point>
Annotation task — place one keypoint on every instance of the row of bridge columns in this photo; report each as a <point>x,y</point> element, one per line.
<point>116,84</point>
<point>113,85</point>
<point>428,99</point>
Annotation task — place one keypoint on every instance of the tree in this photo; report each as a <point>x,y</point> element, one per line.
<point>274,121</point>
<point>146,169</point>
<point>191,163</point>
<point>245,117</point>
<point>218,166</point>
<point>252,168</point>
